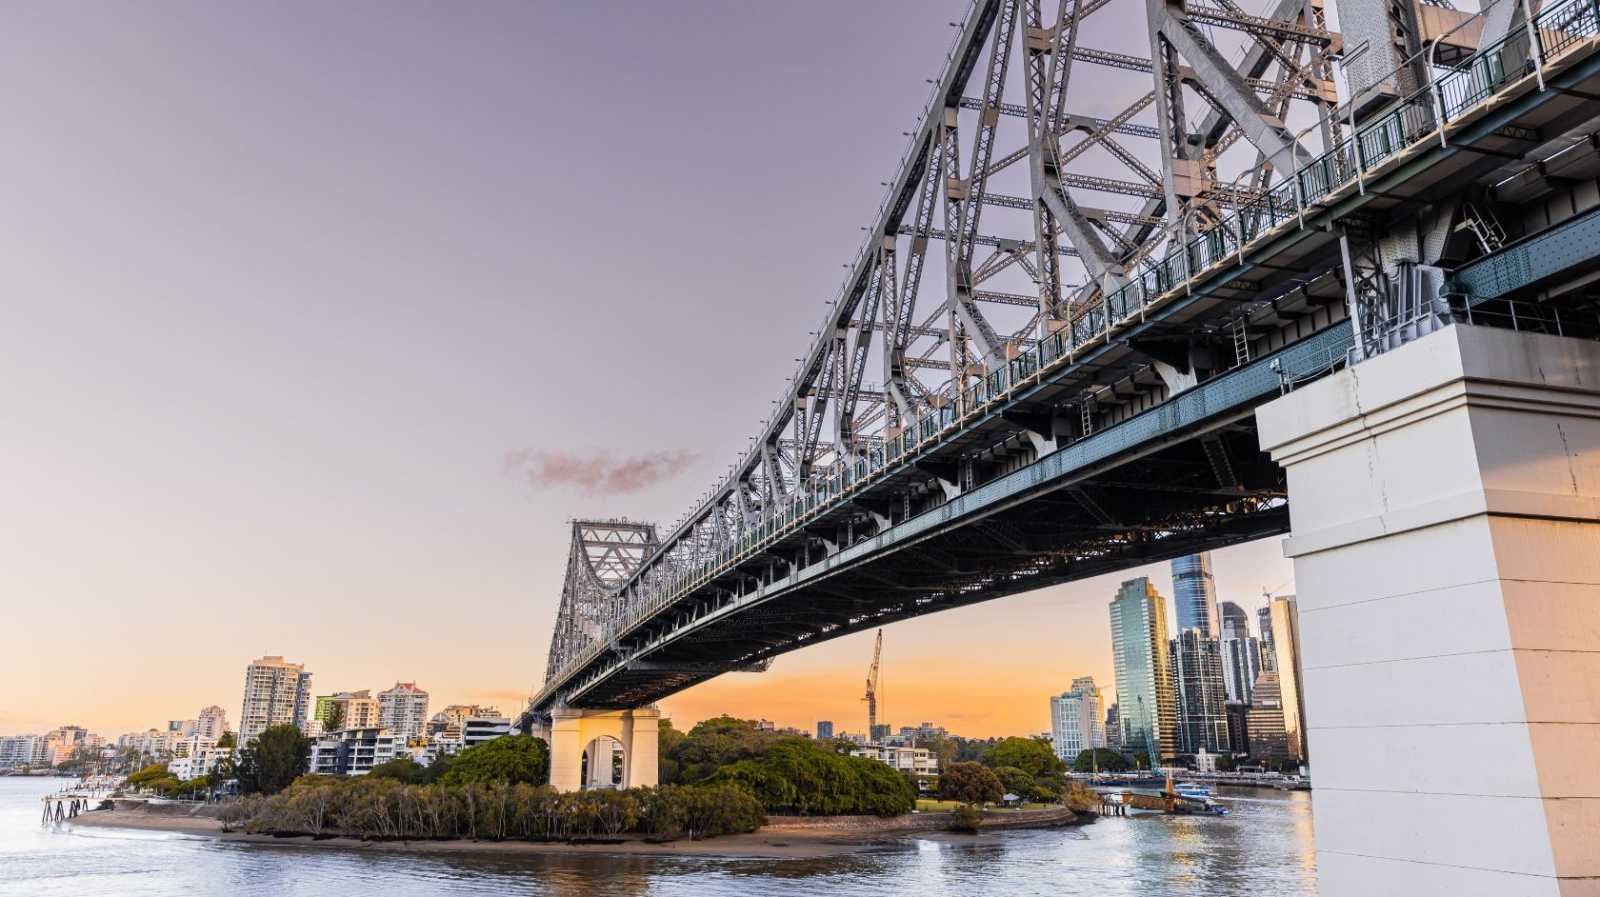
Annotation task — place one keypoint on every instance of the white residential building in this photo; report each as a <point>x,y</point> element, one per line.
<point>351,752</point>
<point>199,761</point>
<point>212,723</point>
<point>403,710</point>
<point>276,693</point>
<point>478,729</point>
<point>912,761</point>
<point>1077,719</point>
<point>155,744</point>
<point>355,710</point>
<point>23,750</point>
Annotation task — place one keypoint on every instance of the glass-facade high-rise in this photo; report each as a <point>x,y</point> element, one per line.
<point>1194,594</point>
<point>1269,660</point>
<point>1146,707</point>
<point>1234,617</point>
<point>825,730</point>
<point>1241,664</point>
<point>1241,653</point>
<point>1197,682</point>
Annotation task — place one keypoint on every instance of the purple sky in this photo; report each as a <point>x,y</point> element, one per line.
<point>284,284</point>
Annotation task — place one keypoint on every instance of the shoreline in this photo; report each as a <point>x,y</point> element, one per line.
<point>780,839</point>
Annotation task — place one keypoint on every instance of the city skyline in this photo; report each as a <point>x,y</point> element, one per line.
<point>823,682</point>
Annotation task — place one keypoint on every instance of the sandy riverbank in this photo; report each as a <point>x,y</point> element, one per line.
<point>781,839</point>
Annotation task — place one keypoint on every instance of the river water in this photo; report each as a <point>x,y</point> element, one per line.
<point>1263,847</point>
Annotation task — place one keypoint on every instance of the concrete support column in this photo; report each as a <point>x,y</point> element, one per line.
<point>1445,513</point>
<point>642,750</point>
<point>566,750</point>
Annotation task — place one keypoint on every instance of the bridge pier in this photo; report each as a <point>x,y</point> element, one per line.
<point>1445,531</point>
<point>574,732</point>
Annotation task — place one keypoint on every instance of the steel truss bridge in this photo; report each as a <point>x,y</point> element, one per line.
<point>1073,393</point>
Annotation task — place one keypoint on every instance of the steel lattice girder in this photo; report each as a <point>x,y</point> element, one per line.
<point>883,296</point>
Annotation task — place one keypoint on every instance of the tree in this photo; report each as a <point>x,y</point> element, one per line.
<point>227,740</point>
<point>1105,759</point>
<point>1030,755</point>
<point>667,740</point>
<point>438,768</point>
<point>944,748</point>
<point>509,758</point>
<point>275,758</point>
<point>969,783</point>
<point>798,775</point>
<point>148,775</point>
<point>715,743</point>
<point>1018,782</point>
<point>333,719</point>
<point>401,769</point>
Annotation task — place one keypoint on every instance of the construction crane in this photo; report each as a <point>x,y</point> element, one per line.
<point>872,688</point>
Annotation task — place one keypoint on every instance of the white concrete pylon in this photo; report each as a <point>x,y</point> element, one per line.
<point>1445,504</point>
<point>573,731</point>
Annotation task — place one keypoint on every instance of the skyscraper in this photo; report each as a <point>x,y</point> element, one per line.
<point>1286,661</point>
<point>1194,594</point>
<point>1198,687</point>
<point>1114,728</point>
<point>1269,661</point>
<point>1233,615</point>
<point>1076,719</point>
<point>1145,700</point>
<point>1268,739</point>
<point>1241,653</point>
<point>1241,663</point>
<point>403,710</point>
<point>825,730</point>
<point>276,693</point>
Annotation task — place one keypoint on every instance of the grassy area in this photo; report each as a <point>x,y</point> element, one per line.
<point>928,805</point>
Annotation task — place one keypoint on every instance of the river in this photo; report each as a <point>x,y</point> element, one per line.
<point>1263,847</point>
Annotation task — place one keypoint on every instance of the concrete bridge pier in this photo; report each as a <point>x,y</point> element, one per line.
<point>573,734</point>
<point>1445,531</point>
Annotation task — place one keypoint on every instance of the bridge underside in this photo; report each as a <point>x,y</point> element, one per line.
<point>1190,495</point>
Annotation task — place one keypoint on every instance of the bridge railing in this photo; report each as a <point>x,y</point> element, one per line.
<point>1460,92</point>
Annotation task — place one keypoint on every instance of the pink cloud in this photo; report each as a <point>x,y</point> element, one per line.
<point>598,473</point>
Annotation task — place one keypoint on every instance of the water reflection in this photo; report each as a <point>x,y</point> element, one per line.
<point>1263,847</point>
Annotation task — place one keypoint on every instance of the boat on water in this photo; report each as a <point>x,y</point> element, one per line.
<point>1190,797</point>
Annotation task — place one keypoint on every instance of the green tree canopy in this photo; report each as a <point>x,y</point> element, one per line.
<point>1106,759</point>
<point>1030,755</point>
<point>148,774</point>
<point>333,719</point>
<point>969,783</point>
<point>227,740</point>
<point>667,740</point>
<point>509,758</point>
<point>713,744</point>
<point>273,760</point>
<point>1015,781</point>
<point>402,769</point>
<point>798,775</point>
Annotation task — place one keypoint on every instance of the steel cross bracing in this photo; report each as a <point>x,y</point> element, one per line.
<point>1121,306</point>
<point>886,297</point>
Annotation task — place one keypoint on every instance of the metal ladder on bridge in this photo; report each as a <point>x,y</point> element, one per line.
<point>1491,236</point>
<point>1241,341</point>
